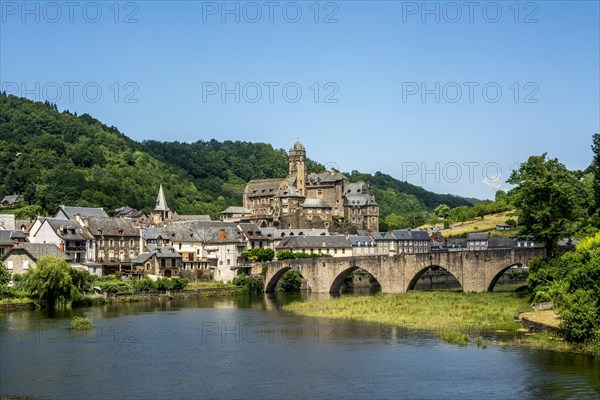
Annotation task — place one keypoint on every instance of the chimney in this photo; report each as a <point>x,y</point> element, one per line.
<point>222,235</point>
<point>141,237</point>
<point>62,247</point>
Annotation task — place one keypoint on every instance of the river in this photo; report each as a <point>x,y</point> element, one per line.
<point>247,347</point>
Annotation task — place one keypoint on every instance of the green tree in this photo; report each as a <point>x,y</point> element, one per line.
<point>596,171</point>
<point>51,282</point>
<point>291,281</point>
<point>546,198</point>
<point>4,275</point>
<point>442,211</point>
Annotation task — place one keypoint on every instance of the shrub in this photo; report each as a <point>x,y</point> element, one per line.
<point>81,323</point>
<point>258,255</point>
<point>291,281</point>
<point>292,255</point>
<point>144,285</point>
<point>250,284</point>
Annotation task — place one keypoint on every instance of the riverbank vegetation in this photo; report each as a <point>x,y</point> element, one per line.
<point>81,323</point>
<point>433,311</point>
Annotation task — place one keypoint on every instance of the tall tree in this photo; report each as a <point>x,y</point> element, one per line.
<point>546,198</point>
<point>596,171</point>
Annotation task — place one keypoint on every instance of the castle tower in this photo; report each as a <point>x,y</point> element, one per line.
<point>297,159</point>
<point>161,211</point>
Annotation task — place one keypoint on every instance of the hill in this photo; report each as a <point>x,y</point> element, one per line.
<point>51,158</point>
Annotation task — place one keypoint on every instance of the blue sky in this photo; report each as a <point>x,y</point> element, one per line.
<point>446,95</point>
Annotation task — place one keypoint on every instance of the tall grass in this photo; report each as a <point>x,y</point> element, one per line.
<point>434,311</point>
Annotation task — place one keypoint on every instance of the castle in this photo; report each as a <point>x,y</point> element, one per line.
<point>304,201</point>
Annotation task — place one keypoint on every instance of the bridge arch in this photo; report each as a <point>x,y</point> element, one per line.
<point>422,271</point>
<point>338,280</point>
<point>492,284</point>
<point>272,283</point>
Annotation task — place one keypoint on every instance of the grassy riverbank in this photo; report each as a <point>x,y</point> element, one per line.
<point>454,317</point>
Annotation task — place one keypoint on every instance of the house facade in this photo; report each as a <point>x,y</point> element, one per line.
<point>24,256</point>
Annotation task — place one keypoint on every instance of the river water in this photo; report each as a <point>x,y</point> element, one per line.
<point>247,347</point>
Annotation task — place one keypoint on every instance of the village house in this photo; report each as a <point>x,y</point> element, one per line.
<point>24,256</point>
<point>115,242</point>
<point>478,241</point>
<point>209,245</point>
<point>255,237</point>
<point>336,246</point>
<point>363,245</point>
<point>10,239</point>
<point>403,242</point>
<point>161,261</point>
<point>10,200</point>
<point>68,235</point>
<point>128,212</point>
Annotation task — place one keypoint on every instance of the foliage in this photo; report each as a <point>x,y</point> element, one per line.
<point>81,323</point>
<point>258,255</point>
<point>294,255</point>
<point>51,282</point>
<point>573,283</point>
<point>4,275</point>
<point>546,198</point>
<point>171,283</point>
<point>265,270</point>
<point>144,285</point>
<point>250,284</point>
<point>291,281</point>
<point>53,158</point>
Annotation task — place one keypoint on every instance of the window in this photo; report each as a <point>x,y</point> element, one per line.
<point>179,246</point>
<point>9,265</point>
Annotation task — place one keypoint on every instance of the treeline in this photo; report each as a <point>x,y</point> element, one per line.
<point>51,158</point>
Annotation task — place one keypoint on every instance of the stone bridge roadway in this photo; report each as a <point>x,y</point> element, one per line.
<point>477,271</point>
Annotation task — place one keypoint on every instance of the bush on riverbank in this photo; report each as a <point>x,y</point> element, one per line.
<point>248,284</point>
<point>572,282</point>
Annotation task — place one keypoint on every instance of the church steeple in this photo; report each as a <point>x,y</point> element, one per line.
<point>161,211</point>
<point>297,158</point>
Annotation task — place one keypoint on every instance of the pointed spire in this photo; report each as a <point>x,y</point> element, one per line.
<point>161,202</point>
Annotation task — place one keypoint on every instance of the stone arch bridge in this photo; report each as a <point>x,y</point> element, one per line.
<point>477,271</point>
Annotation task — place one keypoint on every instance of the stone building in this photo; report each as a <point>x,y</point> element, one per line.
<point>24,256</point>
<point>335,246</point>
<point>304,201</point>
<point>115,242</point>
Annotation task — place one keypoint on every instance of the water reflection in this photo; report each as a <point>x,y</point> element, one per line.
<point>246,346</point>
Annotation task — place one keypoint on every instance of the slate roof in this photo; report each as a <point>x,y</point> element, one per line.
<point>10,200</point>
<point>208,232</point>
<point>315,203</point>
<point>59,226</point>
<point>359,200</point>
<point>263,187</point>
<point>356,187</point>
<point>236,210</point>
<point>7,237</point>
<point>71,212</point>
<point>151,234</point>
<point>500,243</point>
<point>357,241</point>
<point>127,211</point>
<point>111,227</point>
<point>478,236</point>
<point>325,177</point>
<point>161,202</point>
<point>164,251</point>
<point>24,222</point>
<point>456,243</point>
<point>38,250</point>
<point>190,217</point>
<point>306,242</point>
<point>278,233</point>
